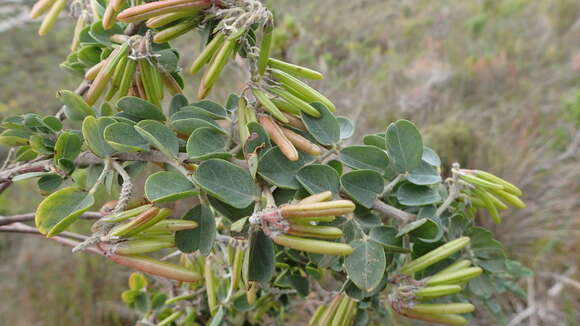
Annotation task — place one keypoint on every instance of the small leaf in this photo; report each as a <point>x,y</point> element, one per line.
<point>59,210</point>
<point>317,178</point>
<point>260,258</point>
<point>215,110</point>
<point>387,237</point>
<point>431,157</point>
<point>93,132</point>
<point>76,109</point>
<point>377,140</point>
<point>363,186</point>
<point>365,157</point>
<point>49,183</point>
<point>206,143</point>
<point>67,148</point>
<point>413,195</point>
<point>258,138</point>
<point>158,135</point>
<point>424,174</point>
<point>346,127</point>
<point>218,318</point>
<point>425,230</point>
<point>177,102</point>
<point>201,238</point>
<point>325,129</point>
<point>102,35</point>
<point>404,145</point>
<point>231,213</point>
<point>366,265</point>
<point>124,138</point>
<point>227,182</point>
<point>139,109</point>
<point>167,186</point>
<point>277,169</point>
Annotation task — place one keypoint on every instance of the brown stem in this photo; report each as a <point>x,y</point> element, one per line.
<point>5,220</point>
<point>392,212</point>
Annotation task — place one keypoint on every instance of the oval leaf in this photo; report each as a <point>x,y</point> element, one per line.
<point>316,178</point>
<point>366,265</point>
<point>139,109</point>
<point>364,186</point>
<point>201,238</point>
<point>93,132</point>
<point>404,145</point>
<point>325,129</point>
<point>206,143</point>
<point>167,186</point>
<point>124,138</point>
<point>413,195</point>
<point>260,260</point>
<point>59,210</point>
<point>158,135</point>
<point>227,182</point>
<point>424,174</point>
<point>365,157</point>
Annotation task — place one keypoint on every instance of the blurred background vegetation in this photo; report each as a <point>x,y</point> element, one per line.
<point>493,84</point>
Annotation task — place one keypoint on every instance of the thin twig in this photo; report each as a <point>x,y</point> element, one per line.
<point>389,211</point>
<point>5,220</point>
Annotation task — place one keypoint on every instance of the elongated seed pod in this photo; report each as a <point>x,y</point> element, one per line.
<point>341,311</point>
<point>172,225</point>
<point>268,105</point>
<point>149,81</point>
<point>317,198</point>
<point>430,292</point>
<point>314,320</point>
<point>301,90</point>
<point>489,205</point>
<point>509,187</point>
<point>294,121</point>
<point>109,17</point>
<point>80,24</point>
<point>237,268</point>
<point>302,143</point>
<point>317,231</point>
<point>170,83</point>
<point>122,216</point>
<point>40,8</point>
<point>295,101</point>
<point>460,264</point>
<point>119,38</point>
<point>509,198</point>
<point>442,319</point>
<point>217,64</point>
<point>318,209</point>
<point>118,4</point>
<point>93,72</point>
<point>127,78</point>
<point>443,308</point>
<point>162,20</point>
<point>455,277</point>
<point>329,313</point>
<point>51,17</point>
<point>351,313</point>
<point>179,298</point>
<point>207,53</point>
<point>285,106</point>
<point>141,246</point>
<point>480,182</point>
<point>210,286</point>
<point>265,49</point>
<point>155,267</point>
<point>309,220</point>
<point>496,202</point>
<point>153,9</point>
<point>141,219</point>
<point>105,74</point>
<point>117,78</point>
<point>435,256</point>
<point>170,319</point>
<point>243,130</point>
<point>277,136</point>
<point>314,246</point>
<point>170,33</point>
<point>294,70</point>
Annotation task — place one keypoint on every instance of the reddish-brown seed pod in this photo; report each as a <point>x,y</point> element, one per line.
<point>277,136</point>
<point>302,143</point>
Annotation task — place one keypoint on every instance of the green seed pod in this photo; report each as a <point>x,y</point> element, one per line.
<point>265,49</point>
<point>40,8</point>
<point>445,319</point>
<point>489,204</point>
<point>117,77</point>
<point>105,74</point>
<point>435,256</point>
<point>243,130</point>
<point>285,106</point>
<point>210,289</point>
<point>454,277</point>
<point>179,298</point>
<point>301,90</point>
<point>81,23</point>
<point>109,17</point>
<point>294,70</point>
<point>314,246</point>
<point>480,182</point>
<point>170,319</point>
<point>155,267</point>
<point>127,77</point>
<point>157,8</point>
<point>207,53</point>
<point>314,320</point>
<point>172,225</point>
<point>443,308</point>
<point>122,216</point>
<point>315,231</point>
<point>460,264</point>
<point>118,4</point>
<point>317,198</point>
<point>510,198</point>
<point>51,17</point>
<point>329,313</point>
<point>351,313</point>
<point>330,208</point>
<point>92,72</point>
<point>140,223</point>
<point>496,202</point>
<point>141,246</point>
<point>174,31</point>
<point>495,179</point>
<point>268,105</point>
<point>162,20</point>
<point>437,291</point>
<point>309,220</point>
<point>341,312</point>
<point>295,101</point>
<point>237,268</point>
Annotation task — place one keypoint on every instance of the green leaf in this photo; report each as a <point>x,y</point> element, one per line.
<point>139,109</point>
<point>218,318</point>
<point>366,265</point>
<point>316,178</point>
<point>103,36</point>
<point>177,102</point>
<point>404,145</point>
<point>52,123</point>
<point>227,182</point>
<point>124,138</point>
<point>67,148</point>
<point>413,195</point>
<point>202,237</point>
<point>167,186</point>
<point>278,170</point>
<point>423,175</point>
<point>158,135</point>
<point>49,183</point>
<point>93,132</point>
<point>346,127</point>
<point>206,143</point>
<point>365,158</point>
<point>76,109</point>
<point>230,212</point>
<point>258,138</point>
<point>59,210</point>
<point>387,237</point>
<point>215,110</point>
<point>377,140</point>
<point>425,230</point>
<point>187,121</point>
<point>363,186</point>
<point>431,157</point>
<point>300,283</point>
<point>325,129</point>
<point>260,261</point>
